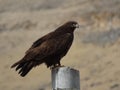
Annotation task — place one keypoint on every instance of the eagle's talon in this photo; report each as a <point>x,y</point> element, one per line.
<point>56,66</point>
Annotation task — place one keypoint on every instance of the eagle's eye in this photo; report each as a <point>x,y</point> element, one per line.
<point>75,25</point>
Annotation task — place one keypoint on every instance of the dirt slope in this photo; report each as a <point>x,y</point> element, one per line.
<point>95,51</point>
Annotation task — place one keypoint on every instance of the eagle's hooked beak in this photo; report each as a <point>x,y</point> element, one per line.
<point>80,26</point>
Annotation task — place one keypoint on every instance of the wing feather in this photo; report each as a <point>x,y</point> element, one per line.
<point>49,47</point>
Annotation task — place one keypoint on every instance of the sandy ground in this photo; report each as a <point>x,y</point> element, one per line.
<point>95,51</point>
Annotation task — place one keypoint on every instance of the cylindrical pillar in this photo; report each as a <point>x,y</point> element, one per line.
<point>65,78</point>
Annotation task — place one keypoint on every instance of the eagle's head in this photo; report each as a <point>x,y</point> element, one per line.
<point>68,27</point>
<point>72,24</point>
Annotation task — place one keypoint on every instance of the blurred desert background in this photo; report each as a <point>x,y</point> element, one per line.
<point>95,51</point>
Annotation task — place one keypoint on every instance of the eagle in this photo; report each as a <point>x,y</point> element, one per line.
<point>49,49</point>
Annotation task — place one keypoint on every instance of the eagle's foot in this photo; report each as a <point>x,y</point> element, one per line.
<point>56,66</point>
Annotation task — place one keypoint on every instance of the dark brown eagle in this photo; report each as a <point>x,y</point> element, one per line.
<point>49,49</point>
